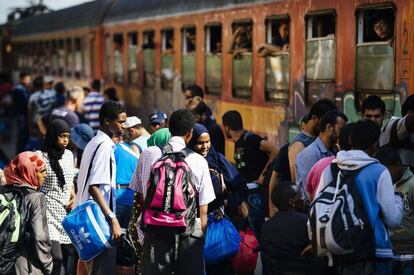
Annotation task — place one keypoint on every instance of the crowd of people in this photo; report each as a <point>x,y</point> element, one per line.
<point>88,147</point>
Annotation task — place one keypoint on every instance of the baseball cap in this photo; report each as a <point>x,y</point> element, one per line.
<point>48,79</point>
<point>131,121</point>
<point>81,134</point>
<point>157,117</point>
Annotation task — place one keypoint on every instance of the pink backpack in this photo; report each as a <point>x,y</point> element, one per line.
<point>170,205</point>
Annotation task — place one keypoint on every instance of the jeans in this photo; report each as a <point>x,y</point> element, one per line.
<point>256,216</point>
<point>123,214</point>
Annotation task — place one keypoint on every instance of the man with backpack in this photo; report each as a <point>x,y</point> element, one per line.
<point>174,243</point>
<point>353,207</point>
<point>253,154</point>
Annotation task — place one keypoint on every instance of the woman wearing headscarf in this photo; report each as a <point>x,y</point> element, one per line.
<point>58,187</point>
<point>229,186</point>
<point>139,186</point>
<point>27,172</point>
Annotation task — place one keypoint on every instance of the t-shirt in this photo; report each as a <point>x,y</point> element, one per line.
<point>285,235</point>
<point>66,114</point>
<point>250,161</point>
<point>91,106</point>
<point>126,162</point>
<point>281,164</point>
<point>41,104</point>
<point>141,141</point>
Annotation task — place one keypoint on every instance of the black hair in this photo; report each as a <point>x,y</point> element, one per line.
<point>388,156</point>
<point>321,107</point>
<point>233,120</point>
<point>110,110</point>
<point>38,83</point>
<point>282,193</point>
<point>96,85</point>
<point>202,109</point>
<point>408,105</point>
<point>60,88</point>
<point>373,102</point>
<point>196,90</point>
<point>181,122</point>
<point>23,74</point>
<point>111,94</point>
<point>364,134</point>
<point>330,117</point>
<point>344,136</point>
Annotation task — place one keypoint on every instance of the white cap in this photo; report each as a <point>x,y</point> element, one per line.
<point>48,79</point>
<point>132,121</point>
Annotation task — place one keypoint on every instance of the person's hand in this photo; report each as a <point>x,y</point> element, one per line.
<point>307,250</point>
<point>72,200</point>
<point>272,210</point>
<point>260,180</point>
<point>219,214</point>
<point>116,229</point>
<point>285,47</point>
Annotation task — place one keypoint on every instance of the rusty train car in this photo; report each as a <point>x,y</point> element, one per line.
<point>143,48</point>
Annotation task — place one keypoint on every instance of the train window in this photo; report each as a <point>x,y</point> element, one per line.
<point>320,57</point>
<point>69,57</point>
<point>132,60</point>
<point>241,49</point>
<point>118,51</point>
<point>47,52</point>
<point>375,57</point>
<point>61,54</point>
<point>148,50</point>
<point>108,57</point>
<point>188,56</point>
<point>78,58</point>
<point>213,59</point>
<point>167,59</point>
<point>55,57</point>
<point>276,52</point>
<point>86,70</point>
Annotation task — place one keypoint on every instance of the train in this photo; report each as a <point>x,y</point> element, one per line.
<point>150,50</point>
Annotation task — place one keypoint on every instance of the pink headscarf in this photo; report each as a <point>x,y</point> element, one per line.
<point>23,169</point>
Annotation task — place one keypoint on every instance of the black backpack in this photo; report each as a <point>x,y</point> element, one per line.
<point>340,227</point>
<point>12,224</point>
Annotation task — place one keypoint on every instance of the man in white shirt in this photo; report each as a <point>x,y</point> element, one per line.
<point>158,248</point>
<point>100,184</point>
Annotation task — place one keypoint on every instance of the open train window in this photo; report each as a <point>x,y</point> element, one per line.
<point>78,58</point>
<point>167,59</point>
<point>132,60</point>
<point>320,56</point>
<point>118,40</point>
<point>55,57</point>
<point>69,57</point>
<point>213,59</point>
<point>108,58</point>
<point>241,49</point>
<point>276,52</point>
<point>47,52</point>
<point>188,56</point>
<point>148,50</point>
<point>375,56</point>
<point>61,54</point>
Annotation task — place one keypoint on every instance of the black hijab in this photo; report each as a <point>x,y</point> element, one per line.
<point>55,128</point>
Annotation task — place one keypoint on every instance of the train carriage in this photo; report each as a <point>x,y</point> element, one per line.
<point>150,50</point>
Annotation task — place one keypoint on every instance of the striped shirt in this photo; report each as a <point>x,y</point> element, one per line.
<point>41,104</point>
<point>91,106</point>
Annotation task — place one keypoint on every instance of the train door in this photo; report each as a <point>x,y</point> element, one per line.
<point>241,49</point>
<point>276,52</point>
<point>132,58</point>
<point>375,55</point>
<point>188,62</point>
<point>320,56</point>
<point>167,59</point>
<point>212,57</point>
<point>148,50</point>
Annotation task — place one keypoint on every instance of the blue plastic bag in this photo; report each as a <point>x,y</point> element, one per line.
<point>88,230</point>
<point>222,241</point>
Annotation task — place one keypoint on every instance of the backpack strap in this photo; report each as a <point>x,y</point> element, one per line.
<point>89,170</point>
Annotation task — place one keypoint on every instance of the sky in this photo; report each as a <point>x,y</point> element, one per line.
<point>7,5</point>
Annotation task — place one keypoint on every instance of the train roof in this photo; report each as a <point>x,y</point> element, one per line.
<point>125,10</point>
<point>86,15</point>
